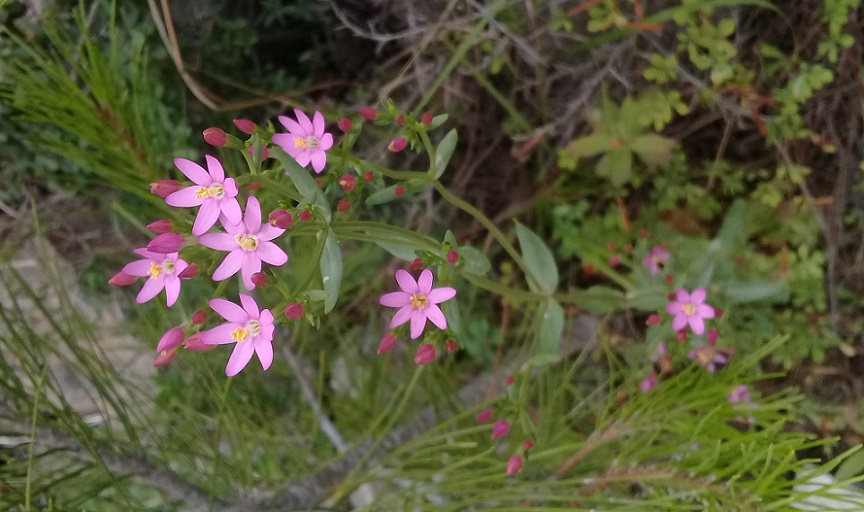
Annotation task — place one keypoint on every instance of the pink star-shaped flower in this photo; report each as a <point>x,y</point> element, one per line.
<point>248,328</point>
<point>305,141</point>
<point>162,272</point>
<point>690,309</point>
<point>707,356</point>
<point>212,191</point>
<point>418,302</point>
<point>655,259</point>
<point>249,243</point>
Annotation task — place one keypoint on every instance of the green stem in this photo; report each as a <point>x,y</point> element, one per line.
<point>218,435</point>
<point>32,449</point>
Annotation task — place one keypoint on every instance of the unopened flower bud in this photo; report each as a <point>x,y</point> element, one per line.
<point>166,243</point>
<point>643,233</point>
<point>514,465</point>
<point>368,113</point>
<point>189,272</point>
<point>215,136</point>
<point>484,416</point>
<point>121,279</point>
<point>681,335</point>
<point>199,317</point>
<point>294,310</point>
<point>388,341</point>
<point>628,248</point>
<point>400,119</point>
<point>347,182</point>
<point>398,144</point>
<point>304,215</point>
<point>527,445</point>
<point>161,226</point>
<point>165,357</point>
<point>426,119</point>
<point>452,256</point>
<point>669,278</point>
<point>246,126</point>
<point>368,176</point>
<point>280,218</point>
<point>614,261</point>
<point>194,343</point>
<point>172,338</point>
<point>164,188</point>
<point>425,354</point>
<point>399,190</point>
<point>259,279</point>
<point>416,264</point>
<point>343,205</point>
<point>510,380</point>
<point>345,124</point>
<point>718,313</point>
<point>712,336</point>
<point>653,319</point>
<point>501,428</point>
<point>451,346</point>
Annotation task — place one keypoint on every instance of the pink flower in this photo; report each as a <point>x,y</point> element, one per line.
<point>305,141</point>
<point>484,416</point>
<point>168,345</point>
<point>739,393</point>
<point>707,356</point>
<point>514,465</point>
<point>500,429</point>
<point>425,354</point>
<point>690,309</point>
<point>249,243</point>
<point>648,383</point>
<point>162,271</point>
<point>212,191</point>
<point>250,331</point>
<point>215,136</point>
<point>418,302</point>
<point>655,258</point>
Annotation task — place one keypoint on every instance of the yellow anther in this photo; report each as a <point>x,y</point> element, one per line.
<point>247,242</point>
<point>202,192</point>
<point>300,142</point>
<point>215,190</point>
<point>155,270</point>
<point>239,334</point>
<point>418,301</point>
<point>689,309</point>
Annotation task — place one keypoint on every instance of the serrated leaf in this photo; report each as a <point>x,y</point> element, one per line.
<point>331,270</point>
<point>474,260</point>
<point>551,327</point>
<point>444,151</point>
<point>539,260</point>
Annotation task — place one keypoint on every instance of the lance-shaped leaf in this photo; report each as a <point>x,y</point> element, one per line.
<point>444,151</point>
<point>539,260</point>
<point>331,270</point>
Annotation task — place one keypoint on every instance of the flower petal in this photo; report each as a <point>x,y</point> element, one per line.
<point>325,142</point>
<point>302,158</point>
<point>439,295</point>
<point>252,217</point>
<point>696,323</point>
<point>264,349</point>
<point>318,124</point>
<point>207,216</point>
<point>703,310</point>
<point>401,316</point>
<point>229,311</point>
<point>251,264</point>
<point>151,288</point>
<point>193,171</point>
<point>239,358</point>
<point>319,160</point>
<point>304,121</point>
<point>698,296</point>
<point>185,198</point>
<point>679,322</point>
<point>272,254</point>
<point>424,282</point>
<point>673,308</point>
<point>218,241</point>
<point>265,318</point>
<point>285,140</point>
<point>268,232</point>
<point>137,268</point>
<point>418,322</point>
<point>682,296</point>
<point>214,167</point>
<point>230,208</point>
<point>406,282</point>
<point>220,335</point>
<point>395,299</point>
<point>250,306</point>
<point>436,316</point>
<point>229,266</point>
<point>172,289</point>
<point>292,126</point>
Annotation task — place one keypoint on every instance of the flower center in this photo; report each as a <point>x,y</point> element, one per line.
<point>705,356</point>
<point>310,142</point>
<point>688,309</point>
<point>156,269</point>
<point>215,190</point>
<point>252,328</point>
<point>239,334</point>
<point>247,242</point>
<point>418,301</point>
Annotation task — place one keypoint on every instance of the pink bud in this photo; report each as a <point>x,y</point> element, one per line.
<point>681,335</point>
<point>189,272</point>
<point>199,317</point>
<point>165,357</point>
<point>452,257</point>
<point>643,233</point>
<point>484,416</point>
<point>347,182</point>
<point>510,380</point>
<point>400,119</point>
<point>305,215</point>
<point>514,465</point>
<point>388,341</point>
<point>215,136</point>
<point>712,336</point>
<point>614,261</point>
<point>451,346</point>
<point>425,354</point>
<point>259,279</point>
<point>368,176</point>
<point>194,342</point>
<point>161,226</point>
<point>527,445</point>
<point>246,126</point>
<point>345,124</point>
<point>368,113</point>
<point>500,429</point>
<point>280,218</point>
<point>398,144</point>
<point>654,319</point>
<point>416,264</point>
<point>172,338</point>
<point>718,313</point>
<point>669,278</point>
<point>166,243</point>
<point>294,310</point>
<point>426,119</point>
<point>253,186</point>
<point>164,188</point>
<point>343,205</point>
<point>121,279</point>
<point>628,248</point>
<point>399,191</point>
<point>648,383</point>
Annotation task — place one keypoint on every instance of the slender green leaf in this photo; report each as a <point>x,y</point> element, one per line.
<point>331,270</point>
<point>551,327</point>
<point>538,259</point>
<point>304,183</point>
<point>444,151</point>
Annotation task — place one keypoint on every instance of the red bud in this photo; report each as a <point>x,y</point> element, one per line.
<point>189,272</point>
<point>399,191</point>
<point>343,205</point>
<point>368,176</point>
<point>199,317</point>
<point>451,346</point>
<point>425,354</point>
<point>368,113</point>
<point>121,279</point>
<point>166,243</point>
<point>305,215</point>
<point>514,465</point>
<point>452,256</point>
<point>400,119</point>
<point>294,310</point>
<point>426,118</point>
<point>281,219</point>
<point>388,341</point>
<point>215,136</point>
<point>246,126</point>
<point>345,124</point>
<point>654,319</point>
<point>161,226</point>
<point>259,279</point>
<point>164,188</point>
<point>398,144</point>
<point>484,416</point>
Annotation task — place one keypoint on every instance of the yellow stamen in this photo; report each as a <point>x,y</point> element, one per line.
<point>155,270</point>
<point>239,334</point>
<point>307,143</point>
<point>300,142</point>
<point>215,190</point>
<point>247,242</point>
<point>163,353</point>
<point>688,309</point>
<point>705,356</point>
<point>418,301</point>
